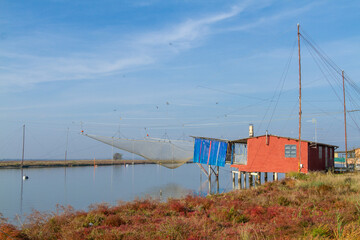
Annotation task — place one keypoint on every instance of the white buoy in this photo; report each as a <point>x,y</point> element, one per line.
<point>25,177</point>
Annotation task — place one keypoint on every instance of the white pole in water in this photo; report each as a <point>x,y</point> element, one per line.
<point>66,147</point>
<point>23,147</point>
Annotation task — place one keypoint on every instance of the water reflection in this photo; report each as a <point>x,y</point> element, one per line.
<point>65,188</point>
<point>82,186</point>
<point>21,190</point>
<point>170,190</point>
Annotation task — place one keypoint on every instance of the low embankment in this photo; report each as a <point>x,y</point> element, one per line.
<point>68,163</point>
<point>314,206</point>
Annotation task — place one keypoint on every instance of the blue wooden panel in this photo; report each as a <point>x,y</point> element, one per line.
<point>210,152</point>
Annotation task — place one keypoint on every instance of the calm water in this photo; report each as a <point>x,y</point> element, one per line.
<point>83,186</point>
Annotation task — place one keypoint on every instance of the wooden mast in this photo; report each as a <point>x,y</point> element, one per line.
<point>343,78</point>
<point>298,28</point>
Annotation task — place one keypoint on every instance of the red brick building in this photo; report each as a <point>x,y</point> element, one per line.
<point>269,153</point>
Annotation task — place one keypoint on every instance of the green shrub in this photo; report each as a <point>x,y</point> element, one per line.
<point>283,201</point>
<point>297,175</point>
<point>236,216</point>
<point>321,231</point>
<point>93,220</point>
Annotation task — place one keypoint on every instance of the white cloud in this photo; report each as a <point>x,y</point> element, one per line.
<point>273,18</point>
<point>184,33</point>
<point>23,68</point>
<point>28,69</point>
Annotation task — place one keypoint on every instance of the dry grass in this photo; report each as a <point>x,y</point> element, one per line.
<point>317,206</point>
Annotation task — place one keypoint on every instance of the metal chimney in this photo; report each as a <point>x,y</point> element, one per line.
<point>251,130</point>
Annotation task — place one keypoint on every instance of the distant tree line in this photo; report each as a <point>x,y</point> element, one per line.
<point>117,156</point>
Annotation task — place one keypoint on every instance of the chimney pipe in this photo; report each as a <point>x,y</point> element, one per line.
<point>251,130</point>
<point>267,137</point>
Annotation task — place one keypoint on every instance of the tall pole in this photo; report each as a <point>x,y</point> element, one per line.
<point>23,147</point>
<point>112,151</point>
<point>298,28</point>
<point>67,141</point>
<point>343,78</point>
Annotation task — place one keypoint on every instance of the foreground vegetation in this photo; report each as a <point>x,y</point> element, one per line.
<point>315,206</point>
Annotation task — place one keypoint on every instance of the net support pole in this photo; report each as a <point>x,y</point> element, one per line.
<point>300,112</point>
<point>343,79</point>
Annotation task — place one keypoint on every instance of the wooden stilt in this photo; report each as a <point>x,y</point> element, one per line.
<point>246,179</point>
<point>233,179</point>
<point>241,176</point>
<point>239,180</point>
<point>265,177</point>
<point>251,182</point>
<point>209,187</point>
<point>209,173</point>
<point>275,176</point>
<point>243,183</point>
<point>258,178</point>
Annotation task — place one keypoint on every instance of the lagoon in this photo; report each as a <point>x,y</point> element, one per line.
<point>81,187</point>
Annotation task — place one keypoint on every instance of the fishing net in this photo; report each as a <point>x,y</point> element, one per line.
<point>165,152</point>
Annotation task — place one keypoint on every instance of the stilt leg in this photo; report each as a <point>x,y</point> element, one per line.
<point>251,182</point>
<point>275,176</point>
<point>233,179</point>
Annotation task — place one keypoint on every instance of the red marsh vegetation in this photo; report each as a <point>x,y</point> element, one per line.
<point>314,206</point>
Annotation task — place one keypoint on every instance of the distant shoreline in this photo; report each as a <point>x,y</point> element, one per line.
<point>69,163</point>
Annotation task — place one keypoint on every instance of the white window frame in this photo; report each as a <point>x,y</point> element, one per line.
<point>290,150</point>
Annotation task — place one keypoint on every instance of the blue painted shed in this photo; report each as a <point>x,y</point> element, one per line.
<point>210,151</point>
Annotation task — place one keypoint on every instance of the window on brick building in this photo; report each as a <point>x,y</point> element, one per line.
<point>290,151</point>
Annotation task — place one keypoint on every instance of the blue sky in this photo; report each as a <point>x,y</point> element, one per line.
<point>169,68</point>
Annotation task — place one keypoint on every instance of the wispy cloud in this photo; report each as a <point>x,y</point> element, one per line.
<point>185,33</point>
<point>26,68</point>
<point>273,18</point>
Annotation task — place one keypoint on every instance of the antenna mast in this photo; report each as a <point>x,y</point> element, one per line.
<point>298,28</point>
<point>343,78</point>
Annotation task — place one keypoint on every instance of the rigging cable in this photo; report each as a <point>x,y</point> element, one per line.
<point>283,77</point>
<point>281,83</point>
<point>328,64</point>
